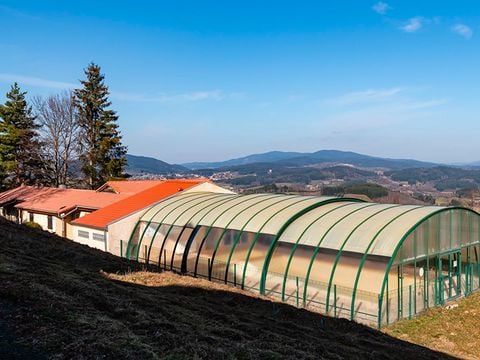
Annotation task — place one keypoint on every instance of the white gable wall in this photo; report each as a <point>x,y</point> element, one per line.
<point>42,220</point>
<point>209,187</point>
<point>120,231</point>
<point>91,237</point>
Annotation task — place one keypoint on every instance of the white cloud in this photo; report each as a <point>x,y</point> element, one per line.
<point>413,25</point>
<point>17,13</point>
<point>417,105</point>
<point>212,95</point>
<point>381,8</point>
<point>35,81</point>
<point>463,30</point>
<point>365,96</point>
<point>194,96</point>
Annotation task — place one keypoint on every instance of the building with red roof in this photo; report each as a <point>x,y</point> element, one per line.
<point>55,208</point>
<point>110,227</point>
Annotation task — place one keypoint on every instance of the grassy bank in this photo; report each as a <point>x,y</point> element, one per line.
<point>453,329</point>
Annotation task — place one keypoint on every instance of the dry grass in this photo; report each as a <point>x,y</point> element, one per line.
<point>62,300</point>
<point>455,331</point>
<point>163,279</point>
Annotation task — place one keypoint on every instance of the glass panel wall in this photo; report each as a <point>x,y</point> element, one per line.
<point>180,248</point>
<point>194,250</point>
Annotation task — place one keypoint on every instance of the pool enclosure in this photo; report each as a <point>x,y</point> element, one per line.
<point>373,263</point>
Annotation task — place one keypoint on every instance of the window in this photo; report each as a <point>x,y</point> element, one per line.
<point>49,222</point>
<point>30,218</point>
<point>98,237</point>
<point>83,234</point>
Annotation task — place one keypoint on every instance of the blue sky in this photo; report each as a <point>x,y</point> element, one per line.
<point>211,80</point>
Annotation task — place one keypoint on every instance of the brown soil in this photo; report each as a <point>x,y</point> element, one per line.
<point>62,300</point>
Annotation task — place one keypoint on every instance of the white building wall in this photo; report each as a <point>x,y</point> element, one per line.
<point>91,237</point>
<point>40,219</point>
<point>120,231</point>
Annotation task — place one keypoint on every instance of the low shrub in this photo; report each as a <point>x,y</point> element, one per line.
<point>33,225</point>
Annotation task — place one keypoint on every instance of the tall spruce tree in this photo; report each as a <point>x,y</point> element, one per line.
<point>101,151</point>
<point>20,160</point>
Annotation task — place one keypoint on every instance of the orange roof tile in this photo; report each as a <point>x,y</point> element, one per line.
<point>129,186</point>
<point>101,218</point>
<point>53,200</point>
<point>20,193</point>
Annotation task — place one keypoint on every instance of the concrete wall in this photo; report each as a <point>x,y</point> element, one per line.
<point>93,238</point>
<point>120,231</point>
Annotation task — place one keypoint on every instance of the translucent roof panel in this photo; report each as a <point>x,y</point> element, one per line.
<point>191,216</point>
<point>259,221</point>
<point>300,228</point>
<point>188,209</point>
<point>261,205</point>
<point>343,230</point>
<point>224,213</point>
<point>197,217</point>
<point>276,222</point>
<point>320,228</point>
<point>390,236</point>
<point>166,204</point>
<point>366,232</point>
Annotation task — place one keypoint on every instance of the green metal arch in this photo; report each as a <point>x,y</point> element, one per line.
<point>399,245</point>
<point>252,245</point>
<point>128,254</point>
<point>266,264</point>
<point>365,254</point>
<point>160,223</point>
<point>317,248</point>
<point>201,198</point>
<point>128,250</point>
<point>211,226</point>
<point>190,219</point>
<point>340,251</point>
<point>294,248</point>
<point>230,198</point>
<point>231,220</point>
<point>237,238</point>
<point>150,221</point>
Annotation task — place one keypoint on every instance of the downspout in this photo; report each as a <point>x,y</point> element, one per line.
<point>64,216</point>
<point>64,227</point>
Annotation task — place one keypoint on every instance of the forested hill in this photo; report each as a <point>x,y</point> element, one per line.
<point>443,177</point>
<point>297,159</point>
<point>145,164</point>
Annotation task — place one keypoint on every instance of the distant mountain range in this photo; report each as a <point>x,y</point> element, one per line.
<point>297,159</point>
<point>150,165</point>
<point>279,159</point>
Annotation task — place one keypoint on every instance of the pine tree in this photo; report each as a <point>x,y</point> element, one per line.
<point>102,152</point>
<point>20,161</point>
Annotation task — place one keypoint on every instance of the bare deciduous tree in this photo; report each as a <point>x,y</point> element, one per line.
<point>57,116</point>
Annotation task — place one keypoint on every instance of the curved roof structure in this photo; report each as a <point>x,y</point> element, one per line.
<point>313,247</point>
<point>235,211</point>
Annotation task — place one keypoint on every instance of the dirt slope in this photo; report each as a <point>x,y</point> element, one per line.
<point>63,300</point>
